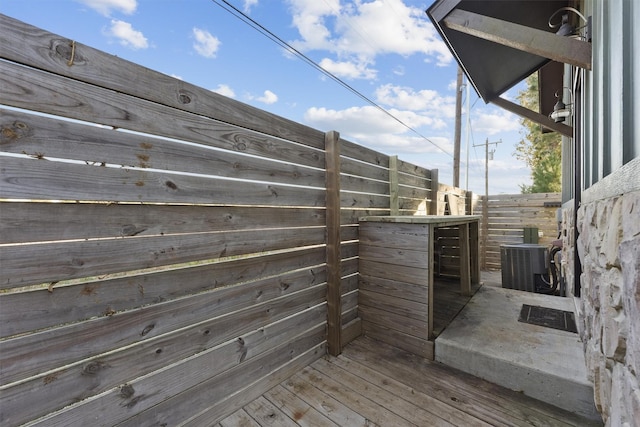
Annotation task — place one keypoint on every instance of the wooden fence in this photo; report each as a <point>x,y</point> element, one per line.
<point>169,254</point>
<point>508,215</point>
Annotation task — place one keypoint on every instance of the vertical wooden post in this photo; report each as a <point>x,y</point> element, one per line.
<point>334,294</point>
<point>433,209</point>
<point>485,231</point>
<point>468,203</point>
<point>474,252</point>
<point>465,262</point>
<point>394,204</point>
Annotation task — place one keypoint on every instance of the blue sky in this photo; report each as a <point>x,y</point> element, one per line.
<point>385,49</point>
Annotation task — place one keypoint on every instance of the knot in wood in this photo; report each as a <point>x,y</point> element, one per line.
<point>91,368</point>
<point>147,329</point>
<point>184,99</point>
<point>127,391</point>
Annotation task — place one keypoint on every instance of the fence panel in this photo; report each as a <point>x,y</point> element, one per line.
<point>508,215</point>
<point>167,244</point>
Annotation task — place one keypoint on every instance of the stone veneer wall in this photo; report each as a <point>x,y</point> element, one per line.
<point>609,307</point>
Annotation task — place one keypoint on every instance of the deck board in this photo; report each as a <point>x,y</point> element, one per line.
<point>372,383</point>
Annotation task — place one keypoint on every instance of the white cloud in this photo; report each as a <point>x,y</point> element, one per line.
<point>127,36</point>
<point>362,30</point>
<point>350,70</point>
<point>175,76</point>
<point>206,44</point>
<point>225,90</point>
<point>494,121</point>
<point>268,97</point>
<point>105,7</point>
<point>248,4</point>
<point>370,126</point>
<point>429,102</point>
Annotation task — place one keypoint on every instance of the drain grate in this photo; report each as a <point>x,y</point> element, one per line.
<point>548,317</point>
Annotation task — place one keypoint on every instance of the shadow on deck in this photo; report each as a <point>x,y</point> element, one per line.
<point>372,383</point>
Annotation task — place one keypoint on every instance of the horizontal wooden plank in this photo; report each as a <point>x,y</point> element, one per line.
<point>414,193</point>
<point>349,232</point>
<point>351,396</point>
<point>380,393</point>
<point>65,387</point>
<point>368,171</point>
<point>413,275</point>
<point>254,388</point>
<point>354,183</point>
<point>411,181</point>
<point>409,291</point>
<point>38,222</point>
<point>414,236</point>
<point>45,137</point>
<point>401,306</point>
<point>363,154</point>
<point>183,390</point>
<point>395,256</point>
<point>414,170</point>
<point>39,309</point>
<point>362,201</point>
<point>351,216</point>
<point>37,91</point>
<point>296,408</point>
<point>29,45</point>
<point>350,331</point>
<point>349,284</point>
<point>407,342</point>
<point>22,357</point>
<point>33,179</point>
<point>268,414</point>
<point>349,301</point>
<point>52,262</point>
<point>422,402</point>
<point>332,408</point>
<point>414,327</point>
<point>348,267</point>
<point>238,418</point>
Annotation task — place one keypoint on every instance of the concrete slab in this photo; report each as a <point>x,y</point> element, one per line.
<point>486,340</point>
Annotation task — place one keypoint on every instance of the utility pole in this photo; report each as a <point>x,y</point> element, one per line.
<point>485,210</point>
<point>486,163</point>
<point>456,137</point>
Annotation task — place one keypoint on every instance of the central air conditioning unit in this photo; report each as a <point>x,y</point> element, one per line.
<point>521,263</point>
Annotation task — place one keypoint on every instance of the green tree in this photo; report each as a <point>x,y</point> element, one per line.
<point>542,152</point>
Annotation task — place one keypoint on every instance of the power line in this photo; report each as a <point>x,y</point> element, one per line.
<point>280,42</point>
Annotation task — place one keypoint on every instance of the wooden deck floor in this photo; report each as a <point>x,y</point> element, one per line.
<point>374,384</point>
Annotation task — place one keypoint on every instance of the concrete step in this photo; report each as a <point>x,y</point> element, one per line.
<point>486,340</point>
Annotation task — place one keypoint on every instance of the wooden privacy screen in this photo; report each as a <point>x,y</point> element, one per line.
<point>163,248</point>
<point>508,215</point>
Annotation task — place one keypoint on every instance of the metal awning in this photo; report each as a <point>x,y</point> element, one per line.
<point>498,43</point>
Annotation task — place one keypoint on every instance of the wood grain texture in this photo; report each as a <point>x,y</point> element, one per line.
<point>297,409</point>
<point>414,327</point>
<point>254,334</point>
<point>334,259</point>
<point>179,392</point>
<point>23,358</point>
<point>39,179</point>
<point>253,388</point>
<point>407,342</point>
<point>39,136</point>
<point>24,222</point>
<point>51,262</point>
<point>37,91</point>
<point>32,46</point>
<point>28,311</point>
